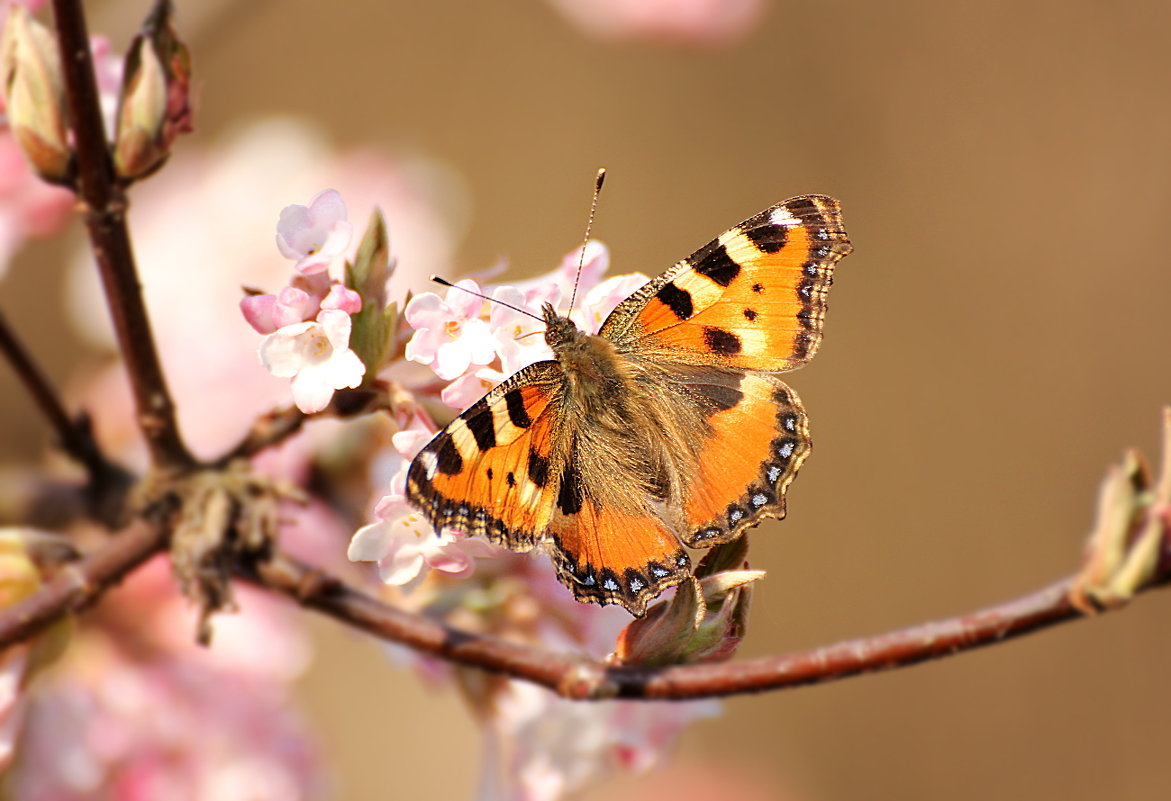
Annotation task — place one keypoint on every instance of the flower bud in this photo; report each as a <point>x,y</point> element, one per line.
<point>376,323</point>
<point>34,95</point>
<point>703,622</point>
<point>154,106</point>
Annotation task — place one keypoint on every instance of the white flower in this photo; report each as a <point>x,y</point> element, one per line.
<point>403,544</point>
<point>313,235</point>
<point>317,356</point>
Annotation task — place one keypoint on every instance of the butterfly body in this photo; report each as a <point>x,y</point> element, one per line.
<point>665,429</point>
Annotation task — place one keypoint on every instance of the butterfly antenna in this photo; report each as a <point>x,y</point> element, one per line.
<point>593,210</point>
<point>445,282</point>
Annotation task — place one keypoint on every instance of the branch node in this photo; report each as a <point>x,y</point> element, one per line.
<point>587,682</point>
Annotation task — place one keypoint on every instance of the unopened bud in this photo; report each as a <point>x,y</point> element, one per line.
<point>154,106</point>
<point>34,95</point>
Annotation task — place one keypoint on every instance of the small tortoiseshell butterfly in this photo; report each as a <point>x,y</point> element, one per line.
<point>667,428</point>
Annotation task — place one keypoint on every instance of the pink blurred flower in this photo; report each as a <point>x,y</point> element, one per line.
<point>555,747</point>
<point>449,334</point>
<point>135,731</point>
<point>683,22</point>
<point>317,356</point>
<point>29,207</point>
<point>314,235</point>
<point>13,667</point>
<point>275,159</point>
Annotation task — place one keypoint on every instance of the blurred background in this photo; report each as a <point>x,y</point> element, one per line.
<point>999,336</point>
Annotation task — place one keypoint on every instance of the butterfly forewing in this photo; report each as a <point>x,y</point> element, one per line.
<point>754,298</point>
<point>488,472</point>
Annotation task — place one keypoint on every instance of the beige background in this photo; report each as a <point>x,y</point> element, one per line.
<point>999,336</point>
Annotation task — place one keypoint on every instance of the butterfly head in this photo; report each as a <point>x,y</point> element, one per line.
<point>559,331</point>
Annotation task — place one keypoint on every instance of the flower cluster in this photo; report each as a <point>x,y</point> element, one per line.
<point>473,345</point>
<point>307,323</point>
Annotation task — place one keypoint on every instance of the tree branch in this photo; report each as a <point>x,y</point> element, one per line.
<point>105,218</point>
<point>582,679</point>
<point>108,483</point>
<point>270,429</point>
<point>79,584</point>
<point>568,675</point>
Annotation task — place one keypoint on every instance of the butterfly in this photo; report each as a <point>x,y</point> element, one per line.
<point>667,429</point>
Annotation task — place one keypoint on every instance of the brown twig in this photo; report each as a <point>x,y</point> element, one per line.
<point>269,429</point>
<point>108,482</point>
<point>105,218</point>
<point>72,438</point>
<point>79,584</point>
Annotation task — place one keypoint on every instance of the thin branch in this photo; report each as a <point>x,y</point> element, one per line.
<point>108,483</point>
<point>79,584</point>
<point>71,437</point>
<point>270,429</point>
<point>105,219</point>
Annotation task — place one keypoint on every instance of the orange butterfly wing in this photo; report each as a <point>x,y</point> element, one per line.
<point>488,472</point>
<point>754,298</point>
<point>751,300</point>
<point>605,556</point>
<point>757,437</point>
<point>494,472</point>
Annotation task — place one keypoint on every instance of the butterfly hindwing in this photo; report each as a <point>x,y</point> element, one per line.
<point>753,298</point>
<point>606,556</point>
<point>488,472</point>
<point>756,438</point>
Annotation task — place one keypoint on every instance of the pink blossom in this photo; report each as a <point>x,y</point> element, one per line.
<point>317,356</point>
<point>685,22</point>
<point>342,298</point>
<point>403,543</point>
<point>267,313</point>
<point>313,235</point>
<point>605,297</point>
<point>449,335</point>
<point>520,337</point>
<point>470,387</point>
<point>557,285</point>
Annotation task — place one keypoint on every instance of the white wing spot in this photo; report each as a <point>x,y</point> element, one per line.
<point>781,216</point>
<point>759,499</point>
<point>636,584</point>
<point>430,464</point>
<point>786,449</point>
<point>774,473</point>
<point>610,584</point>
